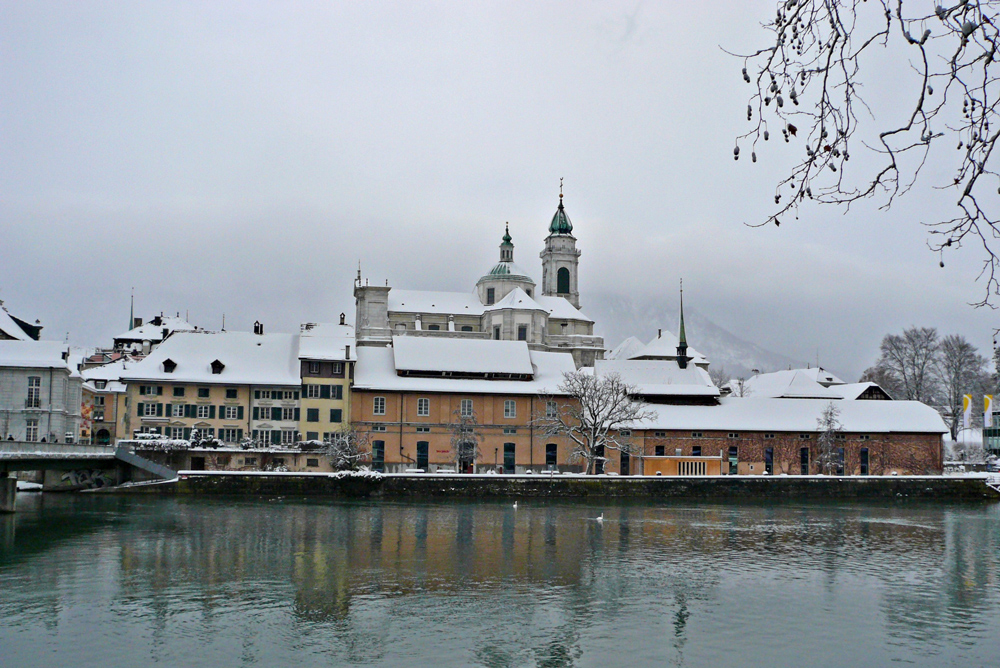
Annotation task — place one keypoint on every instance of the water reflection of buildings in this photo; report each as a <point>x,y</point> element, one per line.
<point>545,573</point>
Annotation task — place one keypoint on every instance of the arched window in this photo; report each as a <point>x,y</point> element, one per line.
<point>562,281</point>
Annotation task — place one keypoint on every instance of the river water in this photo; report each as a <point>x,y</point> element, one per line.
<point>130,581</point>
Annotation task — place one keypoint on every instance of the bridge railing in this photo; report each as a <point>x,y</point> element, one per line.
<point>23,448</point>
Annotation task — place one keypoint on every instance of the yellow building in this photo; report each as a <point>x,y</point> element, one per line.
<point>326,365</point>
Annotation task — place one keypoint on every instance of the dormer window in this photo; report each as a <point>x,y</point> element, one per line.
<point>217,367</point>
<point>490,295</point>
<point>101,384</point>
<point>169,365</point>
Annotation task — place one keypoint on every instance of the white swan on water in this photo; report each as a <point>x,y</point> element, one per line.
<point>600,518</point>
<point>515,505</point>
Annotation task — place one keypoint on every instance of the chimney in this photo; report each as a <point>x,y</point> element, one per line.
<point>342,316</point>
<point>347,352</point>
<point>659,333</point>
<point>258,327</point>
<point>136,322</point>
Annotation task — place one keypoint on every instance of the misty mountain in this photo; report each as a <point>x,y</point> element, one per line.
<point>618,317</point>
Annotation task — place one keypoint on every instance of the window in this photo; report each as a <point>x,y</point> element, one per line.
<point>169,366</point>
<point>202,411</point>
<point>840,437</point>
<point>249,461</point>
<point>510,430</point>
<point>433,328</point>
<point>423,430</point>
<point>312,415</point>
<point>100,384</point>
<point>232,413</point>
<point>287,436</point>
<point>178,391</point>
<point>550,456</point>
<point>336,415</point>
<point>312,391</point>
<point>378,455</point>
<point>466,328</point>
<point>804,461</point>
<point>769,461</point>
<point>663,434</point>
<point>490,295</point>
<point>695,434</point>
<point>151,390</point>
<point>99,401</point>
<point>217,367</point>
<point>805,437</point>
<point>551,410</point>
<point>625,432</point>
<point>231,393</point>
<point>228,435</point>
<point>423,407</point>
<point>864,461</point>
<point>312,435</point>
<point>177,410</point>
<point>338,368</point>
<point>98,415</point>
<point>466,408</point>
<point>312,462</point>
<point>379,406</point>
<point>31,430</point>
<point>660,450</point>
<point>696,451</point>
<point>148,410</point>
<point>379,427</point>
<point>522,332</point>
<point>864,437</point>
<point>496,332</point>
<point>562,281</point>
<point>509,408</point>
<point>768,436</point>
<point>287,414</point>
<point>288,395</point>
<point>734,460</point>
<point>423,454</point>
<point>313,367</point>
<point>733,434</point>
<point>177,432</point>
<point>203,393</point>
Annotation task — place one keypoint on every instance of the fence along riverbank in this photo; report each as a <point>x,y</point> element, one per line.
<point>393,486</point>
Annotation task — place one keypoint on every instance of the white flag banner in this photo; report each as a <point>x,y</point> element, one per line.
<point>966,410</point>
<point>988,410</point>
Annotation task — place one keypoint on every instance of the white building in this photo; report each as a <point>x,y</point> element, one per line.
<point>505,305</point>
<point>40,395</point>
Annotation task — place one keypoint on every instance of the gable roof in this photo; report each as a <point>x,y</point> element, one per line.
<point>428,301</point>
<point>151,332</point>
<point>325,341</point>
<point>419,354</point>
<point>626,349</point>
<point>660,377</point>
<point>790,384</point>
<point>853,391</point>
<point>9,328</point>
<point>664,346</point>
<point>561,309</point>
<point>33,354</point>
<point>516,299</point>
<point>822,376</point>
<point>249,359</point>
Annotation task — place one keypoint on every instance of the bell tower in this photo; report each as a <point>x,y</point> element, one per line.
<point>561,259</point>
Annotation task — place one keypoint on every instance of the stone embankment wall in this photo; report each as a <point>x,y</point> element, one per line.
<point>782,488</point>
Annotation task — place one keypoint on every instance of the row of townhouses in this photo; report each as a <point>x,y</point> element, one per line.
<point>418,365</point>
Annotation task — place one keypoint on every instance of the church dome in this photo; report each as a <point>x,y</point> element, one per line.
<point>560,221</point>
<point>506,271</point>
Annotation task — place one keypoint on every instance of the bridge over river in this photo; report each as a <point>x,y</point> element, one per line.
<point>35,456</point>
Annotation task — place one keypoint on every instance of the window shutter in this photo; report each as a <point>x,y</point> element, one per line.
<point>305,392</point>
<point>324,391</point>
<point>335,415</point>
<point>295,395</point>
<point>191,411</point>
<point>239,413</point>
<point>239,435</point>
<point>296,414</point>
<point>338,391</point>
<point>159,390</point>
<point>187,433</point>
<point>256,413</point>
<point>211,412</point>
<point>159,410</point>
<point>256,394</point>
<point>276,414</point>
<point>276,436</point>
<point>139,406</point>
<point>142,389</point>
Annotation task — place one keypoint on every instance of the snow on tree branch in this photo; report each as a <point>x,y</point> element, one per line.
<point>808,86</point>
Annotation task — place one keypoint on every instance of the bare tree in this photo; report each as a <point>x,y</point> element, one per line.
<point>591,412</point>
<point>347,449</point>
<point>719,375</point>
<point>465,439</point>
<point>961,369</point>
<point>828,424</point>
<point>738,387</point>
<point>911,359</point>
<point>808,81</point>
<point>884,378</point>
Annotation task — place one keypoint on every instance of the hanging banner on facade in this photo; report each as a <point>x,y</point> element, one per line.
<point>966,410</point>
<point>988,410</point>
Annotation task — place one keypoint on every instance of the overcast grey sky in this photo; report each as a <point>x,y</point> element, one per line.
<point>242,157</point>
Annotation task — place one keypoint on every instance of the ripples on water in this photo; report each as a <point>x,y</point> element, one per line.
<point>104,581</point>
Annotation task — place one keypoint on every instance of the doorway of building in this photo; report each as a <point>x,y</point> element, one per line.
<point>550,456</point>
<point>423,454</point>
<point>599,460</point>
<point>804,461</point>
<point>864,461</point>
<point>197,463</point>
<point>378,455</point>
<point>103,437</point>
<point>623,466</point>
<point>508,457</point>
<point>769,461</point>
<point>734,460</point>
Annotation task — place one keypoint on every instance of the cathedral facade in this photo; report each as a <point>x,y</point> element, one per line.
<point>506,304</point>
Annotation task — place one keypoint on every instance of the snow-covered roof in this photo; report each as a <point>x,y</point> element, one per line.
<point>854,390</point>
<point>626,349</point>
<point>822,376</point>
<point>376,370</point>
<point>111,386</point>
<point>660,377</point>
<point>790,384</point>
<point>507,270</point>
<point>248,359</point>
<point>111,371</point>
<point>325,341</point>
<point>10,328</point>
<point>468,356</point>
<point>664,346</point>
<point>516,299</point>
<point>33,354</point>
<point>153,332</point>
<point>427,301</point>
<point>777,415</point>
<point>560,308</point>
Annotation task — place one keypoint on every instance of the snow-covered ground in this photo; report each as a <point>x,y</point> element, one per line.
<point>24,486</point>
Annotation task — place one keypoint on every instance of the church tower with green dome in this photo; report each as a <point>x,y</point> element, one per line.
<point>504,276</point>
<point>561,258</point>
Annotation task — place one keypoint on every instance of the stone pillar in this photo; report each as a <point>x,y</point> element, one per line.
<point>8,492</point>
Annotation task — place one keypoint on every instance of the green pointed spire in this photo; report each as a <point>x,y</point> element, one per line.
<point>506,237</point>
<point>681,336</point>
<point>131,312</point>
<point>560,222</point>
<point>507,247</point>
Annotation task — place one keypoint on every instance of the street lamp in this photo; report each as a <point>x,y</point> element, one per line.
<point>495,451</point>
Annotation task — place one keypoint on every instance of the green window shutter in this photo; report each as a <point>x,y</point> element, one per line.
<point>239,435</point>
<point>159,390</point>
<point>142,390</point>
<point>338,391</point>
<point>276,436</point>
<point>295,395</point>
<point>324,391</point>
<point>336,415</point>
<point>297,415</point>
<point>187,433</point>
<point>239,413</point>
<point>275,413</point>
<point>190,411</point>
<point>159,410</point>
<point>312,415</point>
<point>304,391</point>
<point>256,413</point>
<point>139,407</point>
<point>211,412</point>
<point>256,394</point>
